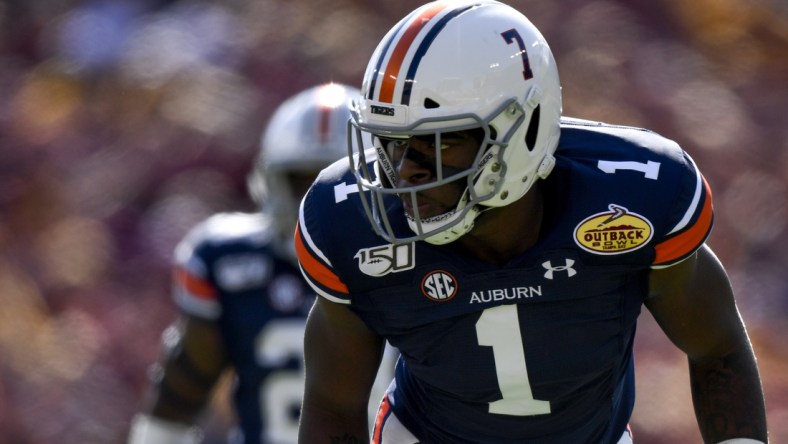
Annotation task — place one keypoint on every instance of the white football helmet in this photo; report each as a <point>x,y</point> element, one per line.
<point>451,66</point>
<point>306,133</point>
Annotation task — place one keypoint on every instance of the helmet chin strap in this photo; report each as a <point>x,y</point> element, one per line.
<point>461,222</point>
<point>448,226</point>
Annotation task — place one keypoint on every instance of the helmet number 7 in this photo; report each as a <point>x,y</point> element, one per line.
<point>499,328</point>
<point>512,36</point>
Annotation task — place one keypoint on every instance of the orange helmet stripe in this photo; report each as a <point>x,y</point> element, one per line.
<point>398,55</point>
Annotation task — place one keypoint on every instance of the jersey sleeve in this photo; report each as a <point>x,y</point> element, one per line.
<point>310,241</point>
<point>192,290</point>
<point>692,220</point>
<point>317,269</point>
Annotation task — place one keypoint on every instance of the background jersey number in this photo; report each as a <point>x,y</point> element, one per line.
<point>499,328</point>
<point>281,392</point>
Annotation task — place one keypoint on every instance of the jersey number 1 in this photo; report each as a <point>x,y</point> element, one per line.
<point>499,328</point>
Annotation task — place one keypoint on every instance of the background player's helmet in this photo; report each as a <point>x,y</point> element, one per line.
<point>455,65</point>
<point>305,134</point>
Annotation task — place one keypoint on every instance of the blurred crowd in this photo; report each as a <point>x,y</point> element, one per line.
<point>124,122</point>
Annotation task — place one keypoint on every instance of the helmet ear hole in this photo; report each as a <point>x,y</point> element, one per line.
<point>431,104</point>
<point>533,130</point>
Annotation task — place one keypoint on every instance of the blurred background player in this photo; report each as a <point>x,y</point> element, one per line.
<point>242,298</point>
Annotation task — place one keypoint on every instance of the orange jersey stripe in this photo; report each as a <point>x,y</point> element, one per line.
<point>398,55</point>
<point>314,268</point>
<point>383,411</point>
<point>685,242</point>
<point>194,285</point>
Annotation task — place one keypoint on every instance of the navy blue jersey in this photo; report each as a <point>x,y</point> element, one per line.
<point>538,350</point>
<point>229,270</point>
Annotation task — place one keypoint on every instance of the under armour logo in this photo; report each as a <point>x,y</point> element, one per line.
<point>567,268</point>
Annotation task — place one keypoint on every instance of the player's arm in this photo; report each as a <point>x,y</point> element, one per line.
<point>193,359</point>
<point>341,360</point>
<point>694,304</point>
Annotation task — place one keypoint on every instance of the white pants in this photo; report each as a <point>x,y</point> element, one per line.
<point>389,430</point>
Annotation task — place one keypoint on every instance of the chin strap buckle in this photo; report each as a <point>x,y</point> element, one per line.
<point>547,165</point>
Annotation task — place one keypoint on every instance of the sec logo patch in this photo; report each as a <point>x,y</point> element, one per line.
<point>439,286</point>
<point>613,232</point>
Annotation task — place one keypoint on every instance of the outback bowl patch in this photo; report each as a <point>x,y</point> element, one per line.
<point>613,232</point>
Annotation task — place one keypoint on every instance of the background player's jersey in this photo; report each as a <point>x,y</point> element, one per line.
<point>230,270</point>
<point>538,350</point>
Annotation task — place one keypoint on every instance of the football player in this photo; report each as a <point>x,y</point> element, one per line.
<point>507,252</point>
<point>242,298</point>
